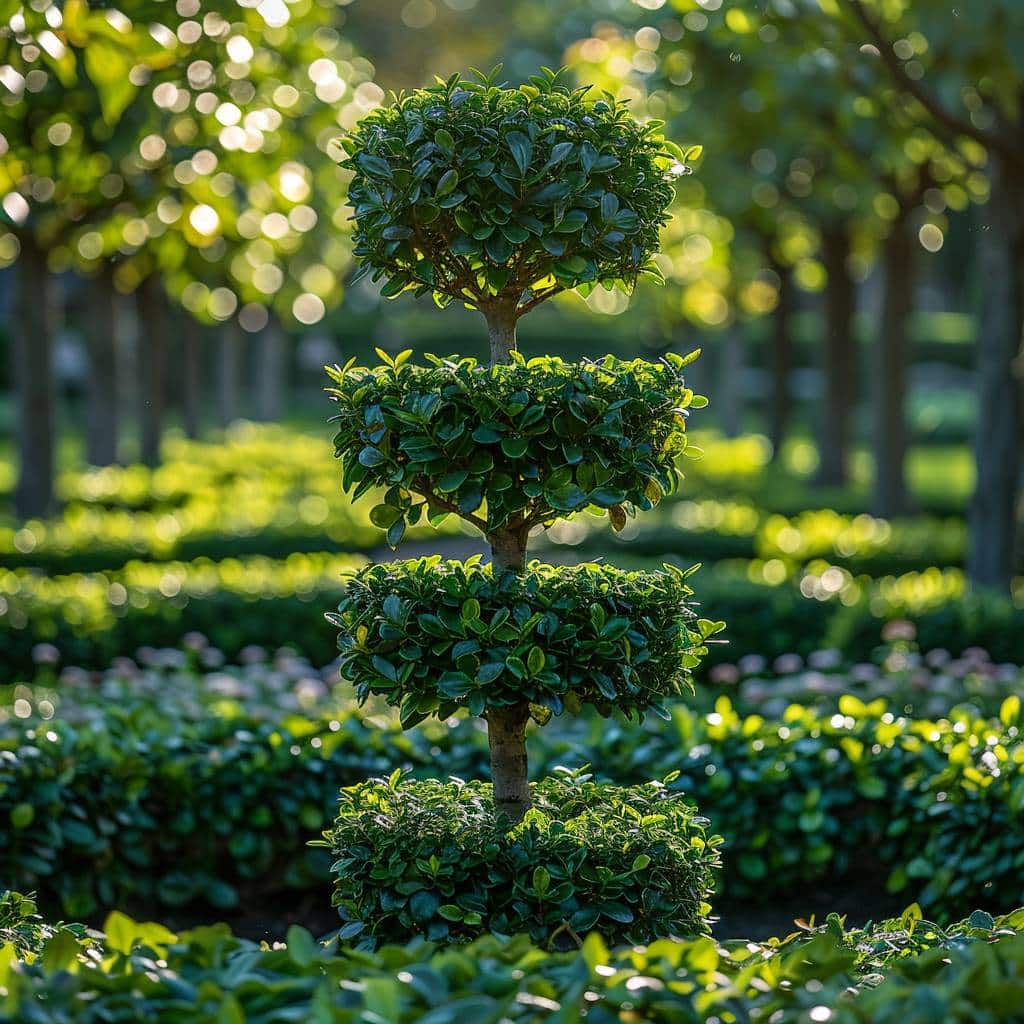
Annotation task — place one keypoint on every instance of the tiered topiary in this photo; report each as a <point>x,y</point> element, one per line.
<point>500,198</point>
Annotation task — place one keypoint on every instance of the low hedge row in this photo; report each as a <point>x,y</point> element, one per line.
<point>711,531</point>
<point>237,521</point>
<point>93,618</point>
<point>900,970</point>
<point>210,798</point>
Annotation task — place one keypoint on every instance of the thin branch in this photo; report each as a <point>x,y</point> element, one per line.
<point>952,121</point>
<point>449,506</point>
<point>539,298</point>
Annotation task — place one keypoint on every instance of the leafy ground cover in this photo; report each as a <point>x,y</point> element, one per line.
<point>893,971</point>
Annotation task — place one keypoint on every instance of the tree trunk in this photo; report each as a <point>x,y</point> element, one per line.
<point>272,386</point>
<point>506,727</point>
<point>229,348</point>
<point>501,329</point>
<point>997,439</point>
<point>840,358</point>
<point>729,389</point>
<point>506,736</point>
<point>102,415</point>
<point>192,376</point>
<point>780,410</point>
<point>152,337</point>
<point>32,356</point>
<point>890,379</point>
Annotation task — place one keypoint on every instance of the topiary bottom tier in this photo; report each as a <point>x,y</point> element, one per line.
<point>428,858</point>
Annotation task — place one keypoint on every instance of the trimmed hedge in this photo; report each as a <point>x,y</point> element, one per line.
<point>426,858</point>
<point>149,799</point>
<point>94,618</point>
<point>531,440</point>
<point>432,637</point>
<point>901,970</point>
<point>103,806</point>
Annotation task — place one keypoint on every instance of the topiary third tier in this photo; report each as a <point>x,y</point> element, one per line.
<point>501,198</point>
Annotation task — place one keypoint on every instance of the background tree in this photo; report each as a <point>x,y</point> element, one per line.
<point>194,156</point>
<point>963,81</point>
<point>809,160</point>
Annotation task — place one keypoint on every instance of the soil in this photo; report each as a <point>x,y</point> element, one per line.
<point>858,900</point>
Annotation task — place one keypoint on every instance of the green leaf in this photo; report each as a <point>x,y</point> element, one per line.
<point>541,881</point>
<point>374,165</point>
<point>371,457</point>
<point>452,480</point>
<point>606,497</point>
<point>302,949</point>
<point>447,183</point>
<point>521,148</point>
<point>384,515</point>
<point>22,815</point>
<point>515,447</point>
<point>423,904</point>
<point>535,661</point>
<point>566,499</point>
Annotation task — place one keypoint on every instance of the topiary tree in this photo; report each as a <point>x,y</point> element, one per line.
<point>501,198</point>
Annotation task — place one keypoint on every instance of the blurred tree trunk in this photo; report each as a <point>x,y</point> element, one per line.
<point>229,350</point>
<point>729,389</point>
<point>892,359</point>
<point>840,357</point>
<point>272,386</point>
<point>999,370</point>
<point>152,335</point>
<point>102,427</point>
<point>32,356</point>
<point>192,334</point>
<point>781,368</point>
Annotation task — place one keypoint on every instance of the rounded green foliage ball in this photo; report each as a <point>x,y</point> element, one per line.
<point>435,637</point>
<point>479,192</point>
<point>428,858</point>
<point>516,445</point>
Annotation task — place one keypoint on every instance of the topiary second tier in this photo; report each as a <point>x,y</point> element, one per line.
<point>512,446</point>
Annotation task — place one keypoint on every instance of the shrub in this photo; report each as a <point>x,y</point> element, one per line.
<point>424,858</point>
<point>26,933</point>
<point>170,789</point>
<point>501,198</point>
<point>433,637</point>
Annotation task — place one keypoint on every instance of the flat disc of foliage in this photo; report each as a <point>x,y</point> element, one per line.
<point>469,190</point>
<point>528,441</point>
<point>434,636</point>
<point>425,858</point>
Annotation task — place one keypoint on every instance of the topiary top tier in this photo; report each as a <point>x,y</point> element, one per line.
<point>501,198</point>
